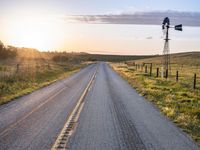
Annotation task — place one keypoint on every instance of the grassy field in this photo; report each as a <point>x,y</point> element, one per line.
<point>29,69</point>
<point>177,100</point>
<point>17,80</point>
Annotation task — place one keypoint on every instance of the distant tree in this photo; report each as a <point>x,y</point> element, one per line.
<point>58,58</point>
<point>7,52</point>
<point>1,46</point>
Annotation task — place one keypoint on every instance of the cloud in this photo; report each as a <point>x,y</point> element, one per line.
<point>149,18</point>
<point>149,37</point>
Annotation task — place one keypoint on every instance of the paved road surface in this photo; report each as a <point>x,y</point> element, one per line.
<point>114,117</point>
<point>35,120</point>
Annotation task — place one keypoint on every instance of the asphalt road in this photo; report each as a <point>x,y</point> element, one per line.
<point>114,116</point>
<point>34,121</point>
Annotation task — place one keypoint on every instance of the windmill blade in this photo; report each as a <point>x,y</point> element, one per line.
<point>165,23</point>
<point>178,27</point>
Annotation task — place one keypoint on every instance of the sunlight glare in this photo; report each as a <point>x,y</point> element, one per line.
<point>42,33</point>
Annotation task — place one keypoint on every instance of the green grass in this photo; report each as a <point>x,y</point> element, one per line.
<point>187,58</point>
<point>25,82</point>
<point>177,100</point>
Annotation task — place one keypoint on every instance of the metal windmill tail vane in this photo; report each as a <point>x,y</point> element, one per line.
<point>178,27</point>
<point>166,50</point>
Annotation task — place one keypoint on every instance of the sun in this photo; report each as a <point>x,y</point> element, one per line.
<point>43,33</point>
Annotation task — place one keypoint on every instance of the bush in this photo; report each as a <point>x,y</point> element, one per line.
<point>60,58</point>
<point>8,52</point>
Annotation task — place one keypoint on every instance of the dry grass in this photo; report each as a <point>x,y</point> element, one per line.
<point>17,80</point>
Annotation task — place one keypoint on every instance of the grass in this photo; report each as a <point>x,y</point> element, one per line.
<point>177,100</point>
<point>28,80</point>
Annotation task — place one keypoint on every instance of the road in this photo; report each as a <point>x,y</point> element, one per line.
<point>35,120</point>
<point>114,116</point>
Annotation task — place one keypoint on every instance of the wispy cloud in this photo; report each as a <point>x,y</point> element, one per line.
<point>149,37</point>
<point>152,18</point>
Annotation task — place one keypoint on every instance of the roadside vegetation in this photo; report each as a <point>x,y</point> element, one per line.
<point>23,70</point>
<point>31,77</point>
<point>7,52</point>
<point>178,100</point>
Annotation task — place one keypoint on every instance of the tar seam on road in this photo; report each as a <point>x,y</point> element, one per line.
<point>70,125</point>
<point>38,107</point>
<point>128,132</point>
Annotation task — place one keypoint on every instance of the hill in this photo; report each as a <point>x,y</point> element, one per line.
<point>186,58</point>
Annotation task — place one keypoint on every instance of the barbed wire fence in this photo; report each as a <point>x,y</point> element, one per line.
<point>25,71</point>
<point>187,75</point>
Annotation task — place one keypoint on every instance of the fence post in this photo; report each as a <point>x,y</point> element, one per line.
<point>151,69</point>
<point>195,77</point>
<point>17,68</point>
<point>145,69</point>
<point>177,76</point>
<point>166,74</point>
<point>157,73</point>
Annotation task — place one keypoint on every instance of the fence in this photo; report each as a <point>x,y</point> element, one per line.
<point>186,74</point>
<point>25,70</point>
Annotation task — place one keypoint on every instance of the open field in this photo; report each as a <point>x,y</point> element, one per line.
<point>22,78</point>
<point>28,69</point>
<point>176,99</point>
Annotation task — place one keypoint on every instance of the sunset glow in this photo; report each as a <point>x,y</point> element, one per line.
<point>52,26</point>
<point>38,32</point>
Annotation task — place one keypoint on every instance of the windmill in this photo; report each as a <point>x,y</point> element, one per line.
<point>166,50</point>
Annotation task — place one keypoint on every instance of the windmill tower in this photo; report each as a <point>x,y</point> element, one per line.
<point>166,50</point>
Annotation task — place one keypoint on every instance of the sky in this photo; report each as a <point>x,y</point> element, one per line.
<point>46,25</point>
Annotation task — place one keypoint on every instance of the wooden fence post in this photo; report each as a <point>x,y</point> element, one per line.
<point>177,76</point>
<point>151,69</point>
<point>17,68</point>
<point>166,74</point>
<point>157,73</point>
<point>195,77</point>
<point>145,69</point>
